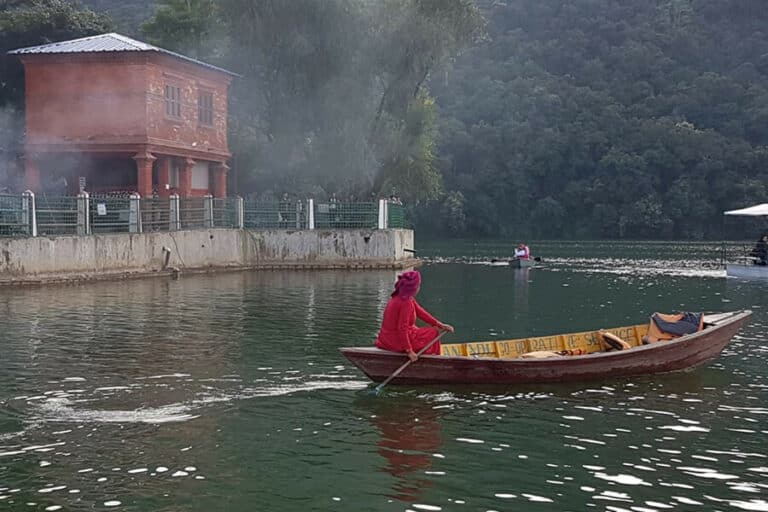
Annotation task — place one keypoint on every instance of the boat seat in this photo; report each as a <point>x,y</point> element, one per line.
<point>613,342</point>
<point>540,354</point>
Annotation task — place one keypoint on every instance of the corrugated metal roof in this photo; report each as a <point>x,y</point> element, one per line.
<point>111,42</point>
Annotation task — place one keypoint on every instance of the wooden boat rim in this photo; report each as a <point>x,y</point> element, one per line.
<point>715,320</point>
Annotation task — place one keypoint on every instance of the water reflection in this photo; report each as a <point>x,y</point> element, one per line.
<point>218,392</point>
<point>410,436</point>
<point>522,277</point>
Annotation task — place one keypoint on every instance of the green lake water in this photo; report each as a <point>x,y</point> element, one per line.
<point>227,392</point>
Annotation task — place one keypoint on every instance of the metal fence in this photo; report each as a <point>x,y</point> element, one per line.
<point>57,215</point>
<point>109,214</point>
<point>396,218</point>
<point>346,215</point>
<point>226,212</point>
<point>26,215</point>
<point>12,216</point>
<point>156,214</point>
<point>275,215</point>
<point>192,213</point>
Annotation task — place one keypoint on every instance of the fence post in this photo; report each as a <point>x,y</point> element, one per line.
<point>174,223</point>
<point>83,214</point>
<point>383,213</point>
<point>310,214</point>
<point>240,212</point>
<point>134,214</point>
<point>208,211</point>
<point>29,213</point>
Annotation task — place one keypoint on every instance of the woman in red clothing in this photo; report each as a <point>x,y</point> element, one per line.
<point>398,328</point>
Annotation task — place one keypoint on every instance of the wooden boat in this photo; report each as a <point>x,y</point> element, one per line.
<point>748,266</point>
<point>748,270</point>
<point>518,263</point>
<point>505,362</point>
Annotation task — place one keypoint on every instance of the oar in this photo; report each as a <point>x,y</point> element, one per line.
<point>377,389</point>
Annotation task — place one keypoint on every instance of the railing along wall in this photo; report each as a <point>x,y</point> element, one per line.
<point>26,215</point>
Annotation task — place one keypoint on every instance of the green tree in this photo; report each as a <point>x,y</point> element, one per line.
<point>639,119</point>
<point>35,22</point>
<point>408,169</point>
<point>334,93</point>
<point>548,217</point>
<point>186,26</point>
<point>128,15</point>
<point>30,23</point>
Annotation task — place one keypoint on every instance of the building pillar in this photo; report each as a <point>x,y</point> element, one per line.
<point>144,162</point>
<point>164,177</point>
<point>220,170</point>
<point>185,178</point>
<point>31,174</point>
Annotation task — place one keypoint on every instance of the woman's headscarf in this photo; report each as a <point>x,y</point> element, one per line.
<point>407,284</point>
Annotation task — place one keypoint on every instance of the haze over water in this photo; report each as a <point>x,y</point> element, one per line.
<point>227,392</point>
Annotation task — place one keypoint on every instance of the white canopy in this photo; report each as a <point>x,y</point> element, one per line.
<point>753,211</point>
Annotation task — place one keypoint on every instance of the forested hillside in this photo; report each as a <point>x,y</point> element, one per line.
<point>548,119</point>
<point>598,118</point>
<point>128,15</point>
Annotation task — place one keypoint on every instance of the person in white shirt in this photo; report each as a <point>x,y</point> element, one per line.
<point>522,252</point>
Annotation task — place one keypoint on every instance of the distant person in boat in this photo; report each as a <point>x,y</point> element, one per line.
<point>522,252</point>
<point>399,332</point>
<point>761,251</point>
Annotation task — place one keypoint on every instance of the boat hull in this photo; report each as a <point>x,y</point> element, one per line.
<point>667,356</point>
<point>520,263</point>
<point>747,271</point>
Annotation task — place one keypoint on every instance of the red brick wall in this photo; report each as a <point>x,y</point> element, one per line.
<point>186,131</point>
<point>120,99</point>
<point>69,100</point>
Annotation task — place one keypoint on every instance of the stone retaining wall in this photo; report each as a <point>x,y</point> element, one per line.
<point>67,258</point>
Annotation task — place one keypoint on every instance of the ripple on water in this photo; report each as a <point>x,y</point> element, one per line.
<point>536,498</point>
<point>201,374</point>
<point>706,473</point>
<point>469,440</point>
<point>622,479</point>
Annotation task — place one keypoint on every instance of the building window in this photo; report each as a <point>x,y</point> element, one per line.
<point>205,108</point>
<point>200,179</point>
<point>172,101</point>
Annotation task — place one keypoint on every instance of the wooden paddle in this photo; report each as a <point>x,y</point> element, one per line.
<point>377,390</point>
<point>494,260</point>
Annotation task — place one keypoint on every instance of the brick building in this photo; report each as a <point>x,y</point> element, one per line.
<point>108,113</point>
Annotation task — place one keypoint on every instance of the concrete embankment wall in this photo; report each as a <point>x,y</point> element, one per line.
<point>67,258</point>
